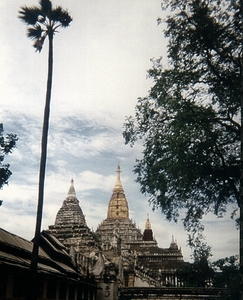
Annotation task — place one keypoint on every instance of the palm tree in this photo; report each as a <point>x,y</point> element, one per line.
<point>42,22</point>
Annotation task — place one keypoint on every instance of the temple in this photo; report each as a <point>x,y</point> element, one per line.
<point>117,254</point>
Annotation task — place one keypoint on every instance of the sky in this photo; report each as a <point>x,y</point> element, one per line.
<point>100,70</point>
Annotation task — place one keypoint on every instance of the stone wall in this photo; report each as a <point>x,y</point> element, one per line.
<point>169,293</point>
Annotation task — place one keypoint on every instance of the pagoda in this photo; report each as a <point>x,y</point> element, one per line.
<point>70,225</point>
<point>118,232</point>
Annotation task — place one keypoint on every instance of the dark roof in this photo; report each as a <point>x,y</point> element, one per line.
<point>53,258</point>
<point>155,250</point>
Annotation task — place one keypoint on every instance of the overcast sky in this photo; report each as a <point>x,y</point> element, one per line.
<point>100,65</point>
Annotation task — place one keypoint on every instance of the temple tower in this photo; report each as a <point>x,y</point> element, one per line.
<point>117,232</point>
<point>148,233</point>
<point>70,214</point>
<point>70,225</point>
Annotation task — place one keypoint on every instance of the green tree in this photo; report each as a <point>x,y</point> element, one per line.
<point>42,22</point>
<point>201,268</point>
<point>7,144</point>
<point>191,121</point>
<point>196,274</point>
<point>227,276</point>
<point>199,273</point>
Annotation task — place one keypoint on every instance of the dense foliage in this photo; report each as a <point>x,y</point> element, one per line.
<point>223,273</point>
<point>199,273</point>
<point>227,275</point>
<point>7,144</point>
<point>190,121</point>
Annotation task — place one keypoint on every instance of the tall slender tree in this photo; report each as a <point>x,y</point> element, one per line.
<point>42,22</point>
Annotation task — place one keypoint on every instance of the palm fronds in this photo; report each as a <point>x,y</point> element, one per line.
<point>29,14</point>
<point>34,32</point>
<point>43,21</point>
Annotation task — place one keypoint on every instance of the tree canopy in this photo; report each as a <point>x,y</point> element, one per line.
<point>223,273</point>
<point>190,121</point>
<point>7,144</point>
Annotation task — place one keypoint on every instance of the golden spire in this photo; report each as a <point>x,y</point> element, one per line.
<point>118,206</point>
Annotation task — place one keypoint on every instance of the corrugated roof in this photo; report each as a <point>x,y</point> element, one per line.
<point>7,258</point>
<point>15,241</point>
<point>17,251</point>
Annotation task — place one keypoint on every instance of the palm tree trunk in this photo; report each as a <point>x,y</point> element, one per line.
<point>241,177</point>
<point>36,243</point>
<point>241,207</point>
<point>241,198</point>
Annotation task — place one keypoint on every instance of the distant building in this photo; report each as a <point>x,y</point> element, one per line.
<point>118,254</point>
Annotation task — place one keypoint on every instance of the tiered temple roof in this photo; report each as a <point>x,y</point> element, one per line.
<point>70,214</point>
<point>70,225</point>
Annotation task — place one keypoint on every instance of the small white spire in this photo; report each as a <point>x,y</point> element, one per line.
<point>148,224</point>
<point>118,184</point>
<point>173,244</point>
<point>72,189</point>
